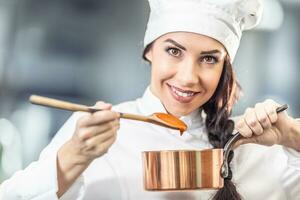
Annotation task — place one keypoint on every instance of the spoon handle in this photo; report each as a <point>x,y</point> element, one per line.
<point>45,101</point>
<point>135,117</point>
<point>55,103</point>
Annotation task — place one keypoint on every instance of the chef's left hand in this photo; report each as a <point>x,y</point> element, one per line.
<point>262,125</point>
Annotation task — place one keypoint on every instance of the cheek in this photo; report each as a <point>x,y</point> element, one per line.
<point>162,70</point>
<point>210,80</point>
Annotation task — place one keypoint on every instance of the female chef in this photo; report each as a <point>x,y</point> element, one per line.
<point>190,45</point>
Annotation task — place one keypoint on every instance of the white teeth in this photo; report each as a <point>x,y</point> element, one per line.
<point>182,94</point>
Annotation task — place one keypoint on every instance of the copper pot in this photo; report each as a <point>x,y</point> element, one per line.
<point>182,169</point>
<point>188,169</point>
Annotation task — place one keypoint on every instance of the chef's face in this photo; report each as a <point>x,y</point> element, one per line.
<point>186,69</point>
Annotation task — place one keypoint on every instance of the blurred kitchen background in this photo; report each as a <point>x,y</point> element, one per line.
<point>89,50</point>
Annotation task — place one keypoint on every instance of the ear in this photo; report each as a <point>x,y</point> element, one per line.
<point>148,54</point>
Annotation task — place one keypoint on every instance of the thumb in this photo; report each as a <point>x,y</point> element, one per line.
<point>102,105</point>
<point>244,141</point>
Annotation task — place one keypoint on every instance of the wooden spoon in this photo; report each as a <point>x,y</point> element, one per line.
<point>161,119</point>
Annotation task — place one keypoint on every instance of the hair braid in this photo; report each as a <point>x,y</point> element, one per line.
<point>220,127</point>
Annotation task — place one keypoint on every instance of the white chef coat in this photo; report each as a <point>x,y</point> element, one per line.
<point>260,172</point>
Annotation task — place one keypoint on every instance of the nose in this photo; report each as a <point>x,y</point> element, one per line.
<point>187,73</point>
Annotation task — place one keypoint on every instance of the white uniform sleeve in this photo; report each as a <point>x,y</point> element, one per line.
<point>293,156</point>
<point>291,177</point>
<point>39,180</point>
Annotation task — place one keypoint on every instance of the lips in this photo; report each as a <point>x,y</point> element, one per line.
<point>183,96</point>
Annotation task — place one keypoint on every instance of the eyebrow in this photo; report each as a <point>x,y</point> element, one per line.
<point>176,44</point>
<point>211,52</point>
<point>183,48</point>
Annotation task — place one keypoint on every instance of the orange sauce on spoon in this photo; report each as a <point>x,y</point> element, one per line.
<point>172,121</point>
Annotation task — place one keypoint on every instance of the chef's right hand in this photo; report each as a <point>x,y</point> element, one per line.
<point>95,132</point>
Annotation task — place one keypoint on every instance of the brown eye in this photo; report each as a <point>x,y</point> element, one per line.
<point>209,59</point>
<point>174,52</point>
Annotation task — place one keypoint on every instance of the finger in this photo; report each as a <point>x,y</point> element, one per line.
<point>262,116</point>
<point>97,118</point>
<point>270,109</point>
<point>243,128</point>
<point>252,122</point>
<point>244,141</point>
<point>237,144</point>
<point>103,147</point>
<point>91,131</point>
<point>102,105</point>
<point>99,139</point>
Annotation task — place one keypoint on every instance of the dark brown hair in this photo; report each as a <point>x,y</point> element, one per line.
<point>218,124</point>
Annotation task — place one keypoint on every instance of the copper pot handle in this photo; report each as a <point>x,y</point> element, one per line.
<point>229,145</point>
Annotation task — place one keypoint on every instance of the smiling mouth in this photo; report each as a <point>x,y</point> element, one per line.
<point>183,96</point>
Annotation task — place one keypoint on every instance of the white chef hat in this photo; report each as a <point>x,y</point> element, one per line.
<point>223,20</point>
